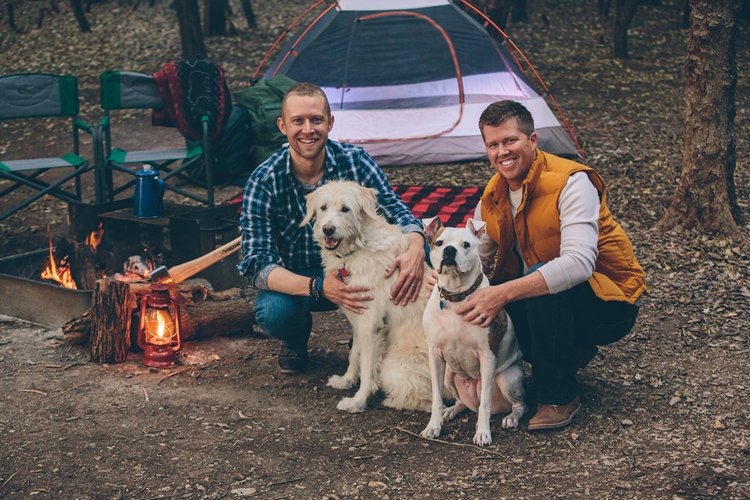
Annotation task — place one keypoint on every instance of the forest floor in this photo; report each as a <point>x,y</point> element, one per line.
<point>665,412</point>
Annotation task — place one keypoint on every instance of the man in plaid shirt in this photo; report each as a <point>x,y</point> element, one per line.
<point>280,258</point>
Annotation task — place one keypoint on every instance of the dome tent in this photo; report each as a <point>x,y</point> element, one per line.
<point>408,79</point>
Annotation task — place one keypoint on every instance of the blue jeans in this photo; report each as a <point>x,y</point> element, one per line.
<point>288,317</point>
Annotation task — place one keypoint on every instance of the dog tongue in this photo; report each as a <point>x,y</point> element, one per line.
<point>331,242</point>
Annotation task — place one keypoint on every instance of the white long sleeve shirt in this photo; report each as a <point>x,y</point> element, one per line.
<point>579,235</point>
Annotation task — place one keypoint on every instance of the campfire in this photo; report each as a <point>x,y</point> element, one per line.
<point>77,265</point>
<point>58,270</point>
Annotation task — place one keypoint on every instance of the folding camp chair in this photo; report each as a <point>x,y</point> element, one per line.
<point>126,90</point>
<point>38,95</point>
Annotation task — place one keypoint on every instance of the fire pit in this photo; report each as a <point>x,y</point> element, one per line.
<point>36,301</point>
<point>188,231</point>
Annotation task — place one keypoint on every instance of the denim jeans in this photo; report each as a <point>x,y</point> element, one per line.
<point>553,329</point>
<point>288,317</point>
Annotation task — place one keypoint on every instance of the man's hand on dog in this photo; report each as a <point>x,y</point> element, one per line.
<point>411,269</point>
<point>351,298</point>
<point>483,306</point>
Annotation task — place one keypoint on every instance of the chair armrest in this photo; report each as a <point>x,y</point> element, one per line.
<point>104,123</point>
<point>82,125</point>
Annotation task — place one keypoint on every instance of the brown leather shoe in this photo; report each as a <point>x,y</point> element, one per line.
<point>554,416</point>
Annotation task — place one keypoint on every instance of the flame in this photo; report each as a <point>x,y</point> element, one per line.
<point>161,326</point>
<point>95,238</point>
<point>59,274</point>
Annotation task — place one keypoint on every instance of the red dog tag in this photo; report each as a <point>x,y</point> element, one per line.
<point>343,273</point>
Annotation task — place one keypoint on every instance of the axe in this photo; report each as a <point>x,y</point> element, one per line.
<point>181,272</point>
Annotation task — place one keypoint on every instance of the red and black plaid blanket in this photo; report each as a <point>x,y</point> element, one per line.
<point>454,205</point>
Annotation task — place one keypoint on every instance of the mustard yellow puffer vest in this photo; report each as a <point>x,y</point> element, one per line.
<point>618,275</point>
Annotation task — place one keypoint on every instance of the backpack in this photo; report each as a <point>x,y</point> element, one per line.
<point>263,103</point>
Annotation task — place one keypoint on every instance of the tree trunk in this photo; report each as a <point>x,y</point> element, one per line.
<point>247,8</point>
<point>624,14</point>
<point>40,17</point>
<point>215,17</point>
<point>498,10</point>
<point>685,14</point>
<point>83,23</point>
<point>744,12</point>
<point>520,13</point>
<point>10,9</point>
<point>191,36</point>
<point>603,8</point>
<point>705,197</point>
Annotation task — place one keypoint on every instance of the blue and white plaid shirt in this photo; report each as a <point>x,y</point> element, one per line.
<point>274,206</point>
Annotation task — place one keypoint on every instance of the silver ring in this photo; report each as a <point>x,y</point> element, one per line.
<point>412,286</point>
<point>482,318</point>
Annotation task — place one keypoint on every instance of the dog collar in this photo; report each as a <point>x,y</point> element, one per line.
<point>459,296</point>
<point>342,256</point>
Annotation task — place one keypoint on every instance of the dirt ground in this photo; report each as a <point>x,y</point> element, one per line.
<point>665,413</point>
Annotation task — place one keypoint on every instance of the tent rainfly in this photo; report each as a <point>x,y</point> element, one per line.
<point>408,79</point>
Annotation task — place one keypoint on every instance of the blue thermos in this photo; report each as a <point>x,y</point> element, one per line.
<point>149,191</point>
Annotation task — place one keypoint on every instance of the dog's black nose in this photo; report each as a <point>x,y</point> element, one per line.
<point>329,230</point>
<point>449,252</point>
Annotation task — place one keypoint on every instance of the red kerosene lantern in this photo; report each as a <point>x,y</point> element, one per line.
<point>159,328</point>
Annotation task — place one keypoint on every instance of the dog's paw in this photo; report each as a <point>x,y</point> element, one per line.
<point>482,438</point>
<point>452,411</point>
<point>352,405</point>
<point>510,422</point>
<point>340,382</point>
<point>431,431</point>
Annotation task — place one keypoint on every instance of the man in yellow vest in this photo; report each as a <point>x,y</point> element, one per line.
<point>557,261</point>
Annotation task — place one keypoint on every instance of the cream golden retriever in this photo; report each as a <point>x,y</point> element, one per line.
<point>389,350</point>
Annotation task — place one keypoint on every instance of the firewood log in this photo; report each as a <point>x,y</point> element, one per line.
<point>204,313</point>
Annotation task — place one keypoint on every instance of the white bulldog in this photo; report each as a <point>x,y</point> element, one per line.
<point>482,367</point>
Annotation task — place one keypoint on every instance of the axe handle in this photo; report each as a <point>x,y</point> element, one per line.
<point>183,271</point>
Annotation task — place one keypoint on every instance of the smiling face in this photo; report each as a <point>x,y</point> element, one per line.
<point>510,151</point>
<point>305,122</point>
<point>454,250</point>
<point>340,209</point>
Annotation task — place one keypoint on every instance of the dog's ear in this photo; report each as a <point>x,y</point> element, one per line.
<point>310,215</point>
<point>369,198</point>
<point>477,227</point>
<point>431,228</point>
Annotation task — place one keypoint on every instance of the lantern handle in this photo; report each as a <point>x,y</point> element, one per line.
<point>142,324</point>
<point>177,322</point>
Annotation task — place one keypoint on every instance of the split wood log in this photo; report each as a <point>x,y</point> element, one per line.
<point>203,313</point>
<point>83,266</point>
<point>111,314</point>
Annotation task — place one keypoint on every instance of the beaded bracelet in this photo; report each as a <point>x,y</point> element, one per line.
<point>310,287</point>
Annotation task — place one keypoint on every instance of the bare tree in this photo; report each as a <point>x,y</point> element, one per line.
<point>247,8</point>
<point>705,197</point>
<point>497,11</point>
<point>602,7</point>
<point>624,14</point>
<point>215,17</point>
<point>519,12</point>
<point>191,36</point>
<point>83,23</point>
<point>744,10</point>
<point>10,10</point>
